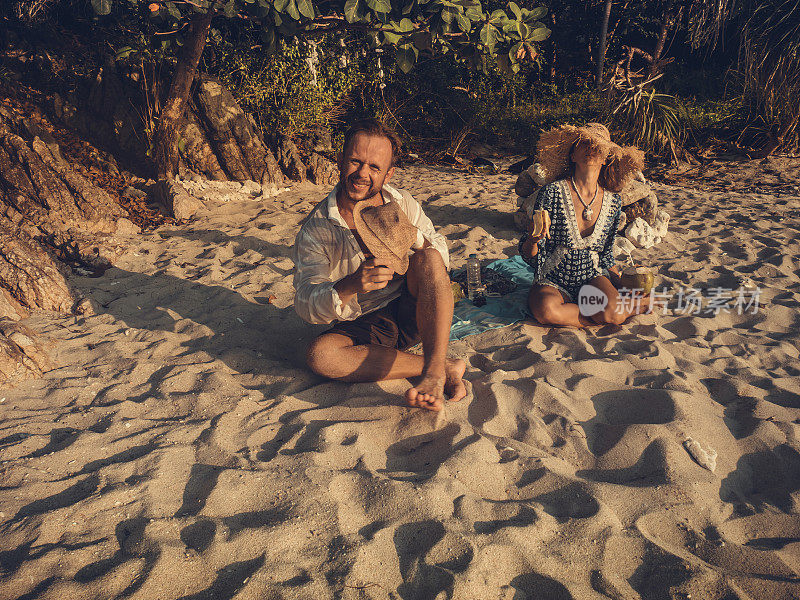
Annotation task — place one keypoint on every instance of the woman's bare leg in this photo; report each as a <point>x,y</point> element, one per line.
<point>550,307</point>
<point>619,309</point>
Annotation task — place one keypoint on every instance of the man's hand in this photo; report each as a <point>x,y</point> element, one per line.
<point>369,277</point>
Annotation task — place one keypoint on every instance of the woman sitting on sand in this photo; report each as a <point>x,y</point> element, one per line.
<point>585,170</point>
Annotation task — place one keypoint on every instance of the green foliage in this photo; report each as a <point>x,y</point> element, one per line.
<point>410,27</point>
<point>770,69</point>
<point>279,89</point>
<point>653,121</point>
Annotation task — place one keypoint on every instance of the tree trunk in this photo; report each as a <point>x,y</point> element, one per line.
<point>662,39</point>
<point>165,141</point>
<point>553,50</point>
<point>601,50</point>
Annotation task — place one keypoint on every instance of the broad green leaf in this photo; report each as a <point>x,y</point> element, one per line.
<point>523,30</point>
<point>124,52</point>
<point>351,10</point>
<point>391,38</point>
<point>406,57</point>
<point>464,24</point>
<point>306,8</point>
<point>449,14</point>
<point>512,6</point>
<point>405,26</point>
<point>488,37</point>
<point>280,5</point>
<point>380,6</point>
<point>536,13</point>
<point>229,10</point>
<point>498,15</point>
<point>474,14</point>
<point>101,7</point>
<point>173,10</point>
<point>539,35</point>
<point>291,10</point>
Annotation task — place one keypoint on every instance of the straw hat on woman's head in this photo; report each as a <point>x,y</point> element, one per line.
<point>555,147</point>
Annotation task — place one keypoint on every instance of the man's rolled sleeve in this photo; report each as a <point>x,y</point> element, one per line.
<point>316,300</point>
<point>425,229</point>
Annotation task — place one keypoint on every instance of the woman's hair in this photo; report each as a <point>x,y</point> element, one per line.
<point>603,178</point>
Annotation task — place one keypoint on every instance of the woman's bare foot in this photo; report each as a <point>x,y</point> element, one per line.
<point>430,392</point>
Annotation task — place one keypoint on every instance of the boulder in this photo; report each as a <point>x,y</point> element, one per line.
<point>22,354</point>
<point>50,200</point>
<point>290,161</point>
<point>529,181</point>
<point>633,192</point>
<point>639,200</point>
<point>661,223</point>
<point>641,234</point>
<point>251,188</point>
<point>176,201</point>
<point>232,134</point>
<point>645,208</point>
<point>322,171</point>
<point>622,247</point>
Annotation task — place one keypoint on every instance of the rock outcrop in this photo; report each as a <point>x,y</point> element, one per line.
<point>218,139</point>
<point>47,209</point>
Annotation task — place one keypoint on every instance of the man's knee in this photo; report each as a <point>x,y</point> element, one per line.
<point>322,354</point>
<point>426,260</point>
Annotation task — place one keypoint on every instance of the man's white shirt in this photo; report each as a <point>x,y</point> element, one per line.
<point>325,251</point>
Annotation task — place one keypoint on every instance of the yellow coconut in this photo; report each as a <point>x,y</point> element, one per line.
<point>638,278</point>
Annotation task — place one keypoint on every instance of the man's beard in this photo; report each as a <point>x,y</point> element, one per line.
<point>370,193</point>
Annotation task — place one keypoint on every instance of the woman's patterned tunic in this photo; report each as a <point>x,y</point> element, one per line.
<point>566,260</point>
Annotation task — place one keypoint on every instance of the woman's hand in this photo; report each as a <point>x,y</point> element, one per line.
<point>539,226</point>
<point>538,229</point>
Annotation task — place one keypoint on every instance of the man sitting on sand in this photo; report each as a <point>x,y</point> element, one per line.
<point>368,260</point>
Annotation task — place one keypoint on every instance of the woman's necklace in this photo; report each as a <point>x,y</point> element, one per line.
<point>587,208</point>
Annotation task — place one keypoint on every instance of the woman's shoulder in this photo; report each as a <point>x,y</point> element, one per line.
<point>555,186</point>
<point>552,189</point>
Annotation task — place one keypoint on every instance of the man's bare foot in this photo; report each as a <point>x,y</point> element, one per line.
<point>454,380</point>
<point>430,392</point>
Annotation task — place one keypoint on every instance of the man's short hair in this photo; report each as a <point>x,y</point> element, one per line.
<point>375,128</point>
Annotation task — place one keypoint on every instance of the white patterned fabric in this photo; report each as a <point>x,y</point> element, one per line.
<point>565,260</point>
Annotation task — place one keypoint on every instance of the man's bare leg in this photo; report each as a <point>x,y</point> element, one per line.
<point>429,283</point>
<point>334,356</point>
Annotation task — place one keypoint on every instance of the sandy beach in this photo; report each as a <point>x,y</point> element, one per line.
<point>180,449</point>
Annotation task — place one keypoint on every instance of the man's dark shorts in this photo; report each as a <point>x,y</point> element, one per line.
<point>394,325</point>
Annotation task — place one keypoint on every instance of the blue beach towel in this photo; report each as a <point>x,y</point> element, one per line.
<point>469,319</point>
